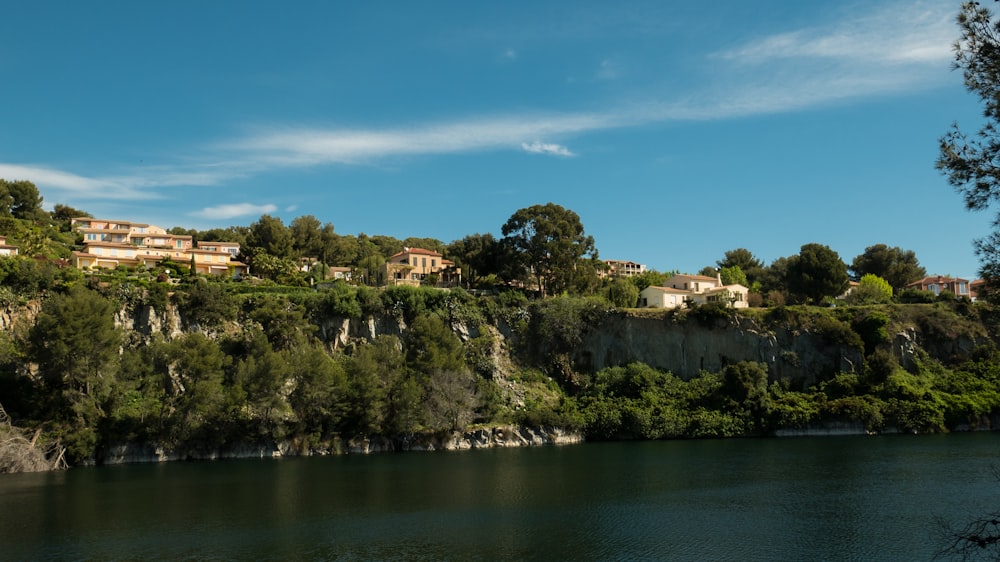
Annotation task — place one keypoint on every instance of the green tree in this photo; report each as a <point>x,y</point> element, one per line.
<point>284,323</point>
<point>261,378</point>
<point>816,273</point>
<point>745,387</point>
<point>25,200</point>
<point>733,275</point>
<point>64,215</point>
<point>432,244</point>
<point>972,164</point>
<point>872,289</point>
<point>341,251</point>
<point>269,234</point>
<point>307,236</point>
<point>372,371</point>
<point>742,258</point>
<point>236,234</point>
<point>431,345</point>
<point>197,397</point>
<point>622,293</point>
<point>75,342</point>
<point>450,401</point>
<point>269,266</point>
<point>774,278</point>
<point>649,278</point>
<point>548,240</point>
<point>6,199</point>
<point>205,305</point>
<point>319,398</point>
<point>479,255</point>
<point>140,393</point>
<point>897,266</point>
<point>26,276</point>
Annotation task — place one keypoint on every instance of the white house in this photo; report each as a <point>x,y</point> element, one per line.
<point>698,289</point>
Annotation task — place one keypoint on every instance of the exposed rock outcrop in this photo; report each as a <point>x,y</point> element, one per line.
<point>504,436</point>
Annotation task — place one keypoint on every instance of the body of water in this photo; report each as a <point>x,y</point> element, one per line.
<point>837,498</point>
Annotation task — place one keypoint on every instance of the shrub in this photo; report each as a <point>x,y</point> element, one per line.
<point>206,304</point>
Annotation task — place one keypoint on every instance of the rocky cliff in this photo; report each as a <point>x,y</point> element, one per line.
<point>664,340</point>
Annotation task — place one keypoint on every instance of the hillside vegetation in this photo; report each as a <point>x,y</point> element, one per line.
<point>98,361</point>
<point>193,366</point>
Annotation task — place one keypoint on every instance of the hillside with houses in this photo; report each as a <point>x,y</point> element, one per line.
<point>126,341</point>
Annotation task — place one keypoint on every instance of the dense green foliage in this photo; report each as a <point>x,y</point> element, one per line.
<point>264,363</point>
<point>896,266</point>
<point>871,289</point>
<point>971,163</point>
<point>815,274</point>
<point>548,240</point>
<point>215,361</point>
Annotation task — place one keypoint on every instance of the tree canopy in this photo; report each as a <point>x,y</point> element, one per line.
<point>549,240</point>
<point>897,266</point>
<point>816,273</point>
<point>742,258</point>
<point>972,163</point>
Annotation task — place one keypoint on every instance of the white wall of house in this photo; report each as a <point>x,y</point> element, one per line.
<point>660,297</point>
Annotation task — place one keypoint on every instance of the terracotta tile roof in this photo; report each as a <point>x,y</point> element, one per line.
<point>936,279</point>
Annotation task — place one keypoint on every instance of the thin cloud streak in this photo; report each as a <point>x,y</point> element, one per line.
<point>303,147</point>
<point>917,33</point>
<point>546,148</point>
<point>886,52</point>
<point>98,188</point>
<point>234,210</point>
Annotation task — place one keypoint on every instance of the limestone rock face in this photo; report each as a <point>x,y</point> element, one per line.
<point>689,348</point>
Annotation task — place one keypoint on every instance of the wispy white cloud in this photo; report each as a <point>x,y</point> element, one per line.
<point>904,47</point>
<point>885,51</point>
<point>546,148</point>
<point>234,210</point>
<point>914,33</point>
<point>303,147</point>
<point>74,184</point>
<point>896,48</point>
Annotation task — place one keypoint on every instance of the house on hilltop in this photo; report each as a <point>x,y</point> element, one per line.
<point>682,289</point>
<point>937,283</point>
<point>622,268</point>
<point>7,249</point>
<point>113,243</point>
<point>412,266</point>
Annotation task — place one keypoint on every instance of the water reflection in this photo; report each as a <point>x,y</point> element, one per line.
<point>830,498</point>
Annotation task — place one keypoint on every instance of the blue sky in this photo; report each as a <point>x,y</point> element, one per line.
<point>676,130</point>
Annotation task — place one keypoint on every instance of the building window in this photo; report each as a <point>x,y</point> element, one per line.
<point>423,262</point>
<point>433,262</point>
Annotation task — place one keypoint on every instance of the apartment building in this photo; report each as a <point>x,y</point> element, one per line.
<point>113,243</point>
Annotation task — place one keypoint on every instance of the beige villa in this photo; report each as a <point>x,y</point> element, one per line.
<point>679,290</point>
<point>413,265</point>
<point>113,243</point>
<point>7,249</point>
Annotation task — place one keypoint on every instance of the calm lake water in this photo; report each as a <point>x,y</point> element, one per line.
<point>833,498</point>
